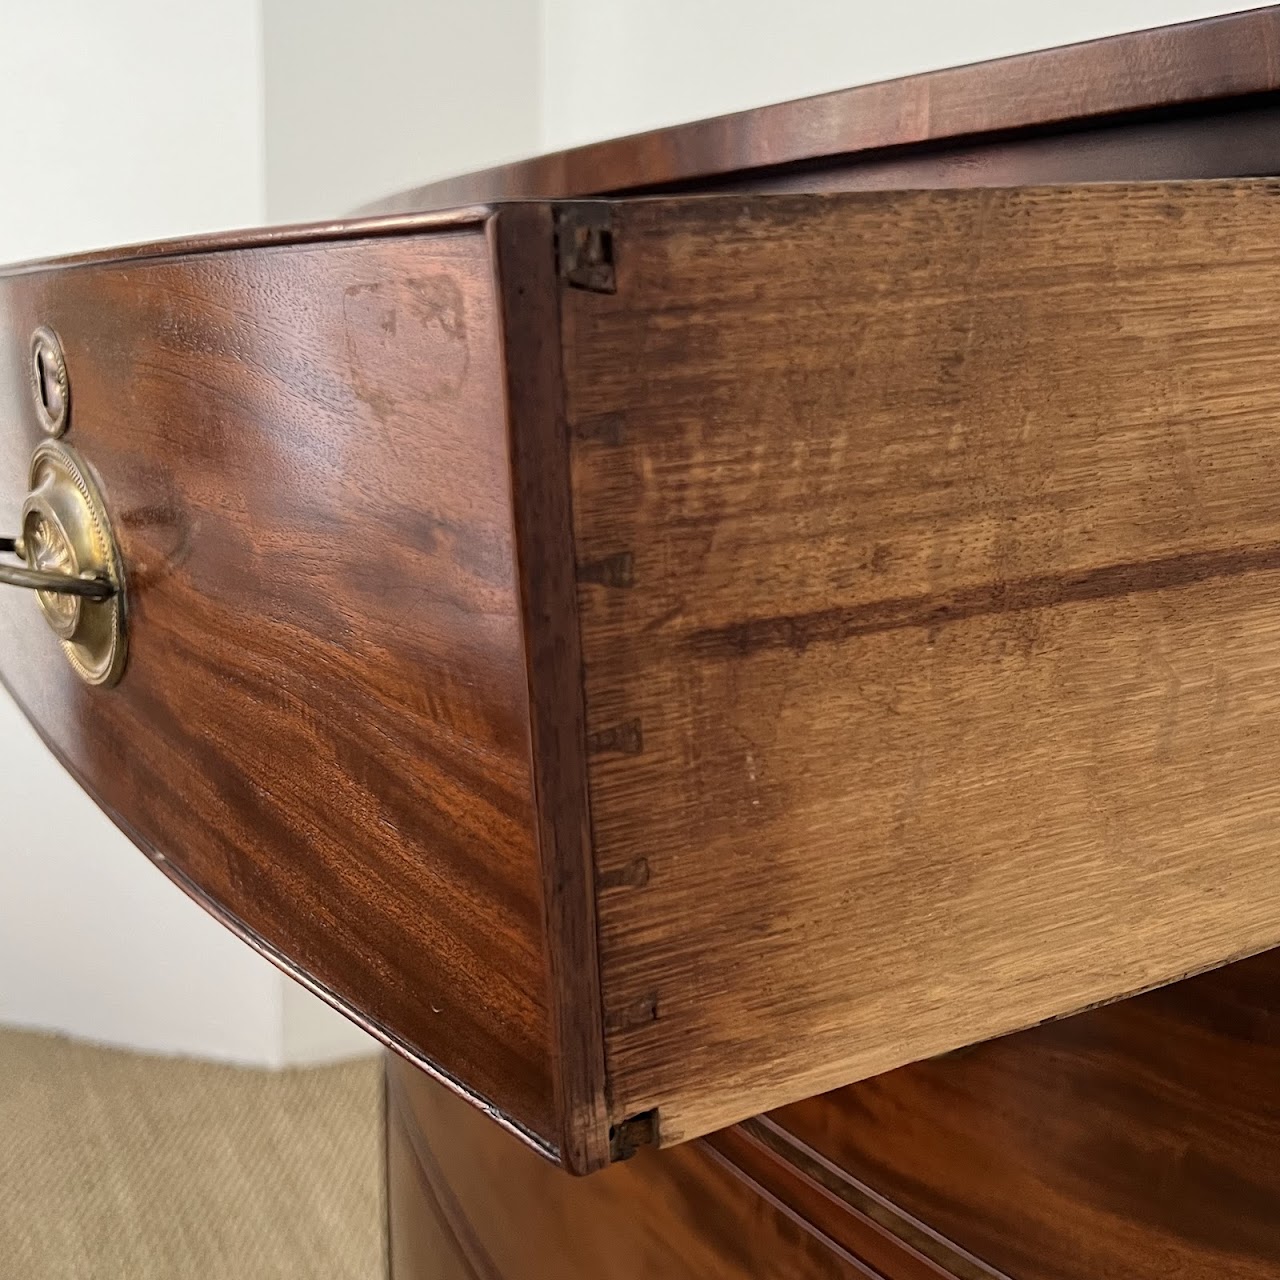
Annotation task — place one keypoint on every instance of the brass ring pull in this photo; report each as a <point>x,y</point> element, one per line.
<point>72,563</point>
<point>89,586</point>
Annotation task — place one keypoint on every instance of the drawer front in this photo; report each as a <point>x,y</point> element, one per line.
<point>322,728</point>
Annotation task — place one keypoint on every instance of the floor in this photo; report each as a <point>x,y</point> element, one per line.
<point>127,1167</point>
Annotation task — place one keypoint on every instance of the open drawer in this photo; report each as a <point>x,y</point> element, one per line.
<point>652,661</point>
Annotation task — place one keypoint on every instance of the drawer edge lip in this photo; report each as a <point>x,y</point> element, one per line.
<point>543,1146</point>
<point>522,252</point>
<point>464,218</point>
<point>770,1157</point>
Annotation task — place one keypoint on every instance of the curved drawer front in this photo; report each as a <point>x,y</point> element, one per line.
<point>322,725</point>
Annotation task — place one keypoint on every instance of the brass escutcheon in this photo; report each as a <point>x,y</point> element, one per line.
<point>50,385</point>
<point>72,563</point>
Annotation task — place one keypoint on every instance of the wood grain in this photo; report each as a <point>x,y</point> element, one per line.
<point>324,724</point>
<point>1137,1140</point>
<point>1215,62</point>
<point>928,547</point>
<point>280,236</point>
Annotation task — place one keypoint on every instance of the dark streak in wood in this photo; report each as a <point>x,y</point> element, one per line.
<point>635,875</point>
<point>608,429</point>
<point>992,534</point>
<point>638,1014</point>
<point>832,626</point>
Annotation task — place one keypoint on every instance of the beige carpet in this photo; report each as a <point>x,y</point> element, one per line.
<point>127,1167</point>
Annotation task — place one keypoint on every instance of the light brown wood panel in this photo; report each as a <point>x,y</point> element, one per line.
<point>929,583</point>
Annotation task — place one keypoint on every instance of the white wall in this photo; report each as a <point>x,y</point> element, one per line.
<point>613,67</point>
<point>97,943</point>
<point>126,120</point>
<point>364,97</point>
<point>121,121</point>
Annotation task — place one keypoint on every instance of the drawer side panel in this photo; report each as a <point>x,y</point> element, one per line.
<point>929,569</point>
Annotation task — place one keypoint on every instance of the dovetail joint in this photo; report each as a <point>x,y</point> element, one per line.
<point>627,1137</point>
<point>613,571</point>
<point>624,739</point>
<point>584,247</point>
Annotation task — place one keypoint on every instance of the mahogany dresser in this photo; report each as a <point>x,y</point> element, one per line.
<point>748,656</point>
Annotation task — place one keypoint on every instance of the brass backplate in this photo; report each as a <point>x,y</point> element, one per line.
<point>65,529</point>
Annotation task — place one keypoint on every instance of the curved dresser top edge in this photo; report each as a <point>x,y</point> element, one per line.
<point>1209,60</point>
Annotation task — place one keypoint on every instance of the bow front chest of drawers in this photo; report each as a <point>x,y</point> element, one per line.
<point>677,636</point>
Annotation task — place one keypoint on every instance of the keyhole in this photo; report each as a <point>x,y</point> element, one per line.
<point>49,381</point>
<point>46,391</point>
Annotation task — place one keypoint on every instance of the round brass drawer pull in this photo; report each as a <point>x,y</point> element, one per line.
<point>72,563</point>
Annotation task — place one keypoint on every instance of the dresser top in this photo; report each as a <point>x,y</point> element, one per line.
<point>1190,65</point>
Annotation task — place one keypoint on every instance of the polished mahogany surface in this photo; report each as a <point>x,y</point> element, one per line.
<point>1140,1140</point>
<point>1119,108</point>
<point>323,725</point>
<point>1137,1140</point>
<point>391,505</point>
